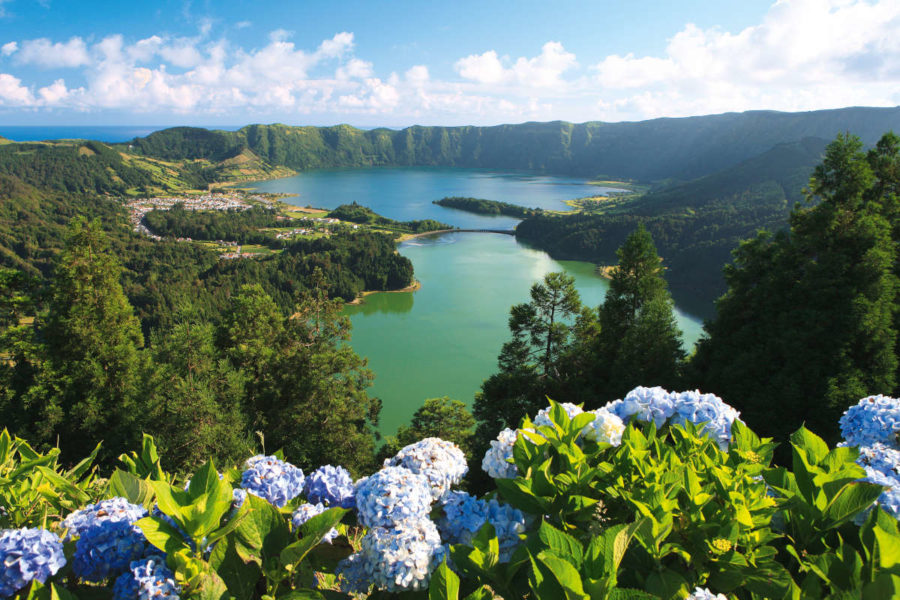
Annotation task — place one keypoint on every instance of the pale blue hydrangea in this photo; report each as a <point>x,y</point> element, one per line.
<point>440,461</point>
<point>106,548</point>
<point>355,576</point>
<point>889,500</point>
<point>402,557</point>
<point>113,509</point>
<point>880,457</point>
<point>705,594</point>
<point>238,495</point>
<point>392,494</point>
<point>708,409</point>
<point>508,523</point>
<point>307,511</point>
<point>606,428</point>
<point>272,479</point>
<point>147,579</point>
<point>543,416</point>
<point>27,555</point>
<point>463,516</point>
<point>332,486</point>
<point>645,404</point>
<point>496,462</point>
<point>873,419</point>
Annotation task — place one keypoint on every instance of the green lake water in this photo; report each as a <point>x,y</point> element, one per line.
<point>443,340</point>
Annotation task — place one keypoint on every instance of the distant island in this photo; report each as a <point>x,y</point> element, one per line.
<point>487,207</point>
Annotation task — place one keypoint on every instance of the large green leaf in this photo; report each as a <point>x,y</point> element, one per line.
<point>520,495</point>
<point>313,531</point>
<point>263,531</point>
<point>162,535</point>
<point>240,577</point>
<point>561,544</point>
<point>444,584</point>
<point>852,499</point>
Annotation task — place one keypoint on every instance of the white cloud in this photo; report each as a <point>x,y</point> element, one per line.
<point>54,93</point>
<point>242,24</point>
<point>9,48</point>
<point>44,53</point>
<point>546,69</point>
<point>13,93</point>
<point>354,69</point>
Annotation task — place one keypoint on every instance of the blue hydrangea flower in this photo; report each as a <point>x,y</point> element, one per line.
<point>442,462</point>
<point>889,500</point>
<point>147,579</point>
<point>881,457</point>
<point>705,594</point>
<point>272,479</point>
<point>106,548</point>
<point>709,409</point>
<point>463,516</point>
<point>307,511</point>
<point>496,459</point>
<point>606,428</point>
<point>645,404</point>
<point>26,555</point>
<point>113,509</point>
<point>332,486</point>
<point>392,494</point>
<point>238,495</point>
<point>355,574</point>
<point>508,523</point>
<point>543,416</point>
<point>402,557</point>
<point>873,419</point>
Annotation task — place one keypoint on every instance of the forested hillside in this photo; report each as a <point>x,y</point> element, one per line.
<point>696,225</point>
<point>652,150</point>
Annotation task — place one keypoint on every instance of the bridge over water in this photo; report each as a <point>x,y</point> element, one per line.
<point>436,231</point>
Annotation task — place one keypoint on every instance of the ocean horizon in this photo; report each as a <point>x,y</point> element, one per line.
<point>101,133</point>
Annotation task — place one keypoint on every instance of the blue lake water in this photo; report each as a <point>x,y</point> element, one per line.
<point>443,340</point>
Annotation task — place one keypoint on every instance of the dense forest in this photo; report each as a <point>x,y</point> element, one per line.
<point>695,225</point>
<point>653,150</point>
<point>486,207</point>
<point>242,226</point>
<point>355,213</point>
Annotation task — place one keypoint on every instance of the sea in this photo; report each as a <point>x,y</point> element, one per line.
<point>103,133</point>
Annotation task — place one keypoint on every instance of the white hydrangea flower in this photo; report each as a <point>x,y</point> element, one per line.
<point>606,428</point>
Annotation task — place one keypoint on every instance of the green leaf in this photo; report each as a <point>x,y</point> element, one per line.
<point>561,544</point>
<point>64,485</point>
<point>162,535</point>
<point>313,531</point>
<point>519,494</point>
<point>204,480</point>
<point>263,532</point>
<point>240,577</point>
<point>812,445</point>
<point>444,584</point>
<point>852,499</point>
<point>888,554</point>
<point>631,594</point>
<point>486,542</point>
<point>667,583</point>
<point>481,593</point>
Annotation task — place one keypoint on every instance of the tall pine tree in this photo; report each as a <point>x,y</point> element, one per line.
<point>639,342</point>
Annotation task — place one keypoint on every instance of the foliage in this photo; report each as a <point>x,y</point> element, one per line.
<point>486,207</point>
<point>808,320</point>
<point>356,213</point>
<point>437,417</point>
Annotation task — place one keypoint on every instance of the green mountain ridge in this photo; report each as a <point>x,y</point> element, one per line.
<point>668,148</point>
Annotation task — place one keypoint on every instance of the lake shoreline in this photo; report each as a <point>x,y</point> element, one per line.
<point>414,287</point>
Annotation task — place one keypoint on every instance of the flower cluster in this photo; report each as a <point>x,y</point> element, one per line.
<point>113,509</point>
<point>464,515</point>
<point>660,406</point>
<point>401,557</point>
<point>272,479</point>
<point>496,462</point>
<point>392,494</point>
<point>606,428</point>
<point>543,416</point>
<point>441,462</point>
<point>26,555</point>
<point>331,486</point>
<point>108,539</point>
<point>873,419</point>
<point>147,579</point>
<point>705,594</point>
<point>307,511</point>
<point>873,424</point>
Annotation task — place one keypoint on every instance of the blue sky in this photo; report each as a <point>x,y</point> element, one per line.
<point>399,63</point>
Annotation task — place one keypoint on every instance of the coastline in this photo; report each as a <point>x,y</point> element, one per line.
<point>416,285</point>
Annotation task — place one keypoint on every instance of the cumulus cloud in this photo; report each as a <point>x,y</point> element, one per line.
<point>44,53</point>
<point>543,70</point>
<point>13,93</point>
<point>9,48</point>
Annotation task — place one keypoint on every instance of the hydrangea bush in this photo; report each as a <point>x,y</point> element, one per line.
<point>657,495</point>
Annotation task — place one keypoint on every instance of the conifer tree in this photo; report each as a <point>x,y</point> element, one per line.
<point>806,327</point>
<point>91,378</point>
<point>639,342</point>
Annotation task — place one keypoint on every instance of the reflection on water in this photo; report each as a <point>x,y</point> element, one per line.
<point>387,303</point>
